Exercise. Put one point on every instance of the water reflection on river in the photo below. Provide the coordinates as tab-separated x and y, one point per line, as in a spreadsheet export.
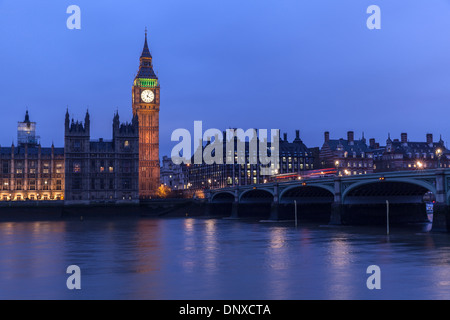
219	259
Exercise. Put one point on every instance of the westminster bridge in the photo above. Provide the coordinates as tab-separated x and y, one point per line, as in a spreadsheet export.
342	200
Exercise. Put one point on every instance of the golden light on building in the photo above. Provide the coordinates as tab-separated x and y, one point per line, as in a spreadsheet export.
145	102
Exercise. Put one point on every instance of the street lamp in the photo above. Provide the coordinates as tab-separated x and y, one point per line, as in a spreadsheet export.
419	165
336	163
439	154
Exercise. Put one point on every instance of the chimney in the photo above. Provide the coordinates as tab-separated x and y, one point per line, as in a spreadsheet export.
372	143
430	139
404	138
327	136
350	137
297	134
285	136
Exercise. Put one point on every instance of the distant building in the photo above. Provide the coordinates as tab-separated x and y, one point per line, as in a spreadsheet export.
28	171
172	175
408	155
348	156
26	132
101	171
294	157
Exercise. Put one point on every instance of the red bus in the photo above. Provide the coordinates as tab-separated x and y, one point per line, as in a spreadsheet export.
309	174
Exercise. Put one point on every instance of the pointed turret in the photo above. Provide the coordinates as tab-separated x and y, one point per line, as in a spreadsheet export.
146	51
67	121
389	143
146	68
87	122
116	121
27	117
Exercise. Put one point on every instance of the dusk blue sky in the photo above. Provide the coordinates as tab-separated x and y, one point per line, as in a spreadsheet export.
288	64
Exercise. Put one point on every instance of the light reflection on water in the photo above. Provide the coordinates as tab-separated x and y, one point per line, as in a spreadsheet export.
219	259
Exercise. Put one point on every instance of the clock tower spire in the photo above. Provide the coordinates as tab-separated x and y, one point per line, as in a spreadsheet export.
145	102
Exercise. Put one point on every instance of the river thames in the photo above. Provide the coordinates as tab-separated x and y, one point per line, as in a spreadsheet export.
204	259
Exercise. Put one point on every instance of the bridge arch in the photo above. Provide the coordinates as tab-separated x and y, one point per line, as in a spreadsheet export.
256	195
407	190
307	193
222	197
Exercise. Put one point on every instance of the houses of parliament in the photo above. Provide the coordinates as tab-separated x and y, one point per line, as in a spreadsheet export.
124	169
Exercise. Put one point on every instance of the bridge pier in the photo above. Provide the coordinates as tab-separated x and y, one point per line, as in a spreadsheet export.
207	211
337	208
441	214
274	211
274	206
235	210
440	209
337	211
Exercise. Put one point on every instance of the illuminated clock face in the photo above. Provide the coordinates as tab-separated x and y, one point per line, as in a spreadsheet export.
147	96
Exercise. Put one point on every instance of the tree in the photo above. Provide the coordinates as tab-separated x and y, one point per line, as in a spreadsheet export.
163	191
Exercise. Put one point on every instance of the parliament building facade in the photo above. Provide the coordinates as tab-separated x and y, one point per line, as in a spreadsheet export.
123	169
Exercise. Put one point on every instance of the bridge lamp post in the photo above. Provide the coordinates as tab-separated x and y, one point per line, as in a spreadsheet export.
419	165
439	154
336	163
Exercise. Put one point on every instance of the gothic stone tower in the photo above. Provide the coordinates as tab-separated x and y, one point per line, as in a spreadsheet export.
146	107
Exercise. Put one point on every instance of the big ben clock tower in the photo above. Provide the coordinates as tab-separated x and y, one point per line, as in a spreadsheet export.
146	108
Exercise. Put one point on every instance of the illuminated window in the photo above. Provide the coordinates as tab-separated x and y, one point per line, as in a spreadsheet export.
126	144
